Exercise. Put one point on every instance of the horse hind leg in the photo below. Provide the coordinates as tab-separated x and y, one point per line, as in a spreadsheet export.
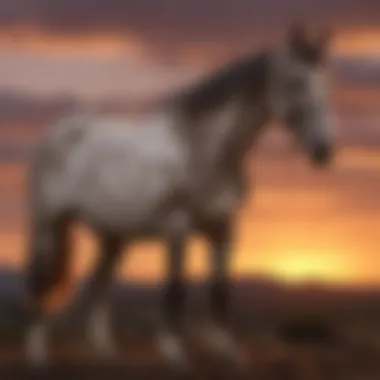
97	297
170	342
47	282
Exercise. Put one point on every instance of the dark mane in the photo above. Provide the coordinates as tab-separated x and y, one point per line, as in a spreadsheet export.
245	77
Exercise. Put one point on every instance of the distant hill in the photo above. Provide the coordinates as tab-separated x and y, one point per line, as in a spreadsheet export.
256	304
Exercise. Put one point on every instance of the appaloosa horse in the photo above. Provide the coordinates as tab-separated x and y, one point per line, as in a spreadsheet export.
168	174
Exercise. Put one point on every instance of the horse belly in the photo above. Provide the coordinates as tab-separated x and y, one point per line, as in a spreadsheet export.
134	211
115	178
130	200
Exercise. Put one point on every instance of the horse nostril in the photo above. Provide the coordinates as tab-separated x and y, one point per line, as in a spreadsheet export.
321	154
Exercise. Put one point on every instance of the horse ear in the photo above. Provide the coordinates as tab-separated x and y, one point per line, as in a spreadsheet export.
308	47
324	39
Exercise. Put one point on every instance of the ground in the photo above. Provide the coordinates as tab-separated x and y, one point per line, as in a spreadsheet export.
310	333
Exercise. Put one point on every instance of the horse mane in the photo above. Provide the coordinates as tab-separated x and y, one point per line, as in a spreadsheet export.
246	77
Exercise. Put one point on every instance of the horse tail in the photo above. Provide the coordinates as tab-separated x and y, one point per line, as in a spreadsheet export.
49	281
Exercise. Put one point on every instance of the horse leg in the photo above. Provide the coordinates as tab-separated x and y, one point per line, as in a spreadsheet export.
216	337
47	273
170	343
97	296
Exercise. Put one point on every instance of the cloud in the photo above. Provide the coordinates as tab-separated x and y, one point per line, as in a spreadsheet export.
85	76
170	23
31	39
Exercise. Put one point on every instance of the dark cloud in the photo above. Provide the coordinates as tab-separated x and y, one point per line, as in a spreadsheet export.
183	21
358	72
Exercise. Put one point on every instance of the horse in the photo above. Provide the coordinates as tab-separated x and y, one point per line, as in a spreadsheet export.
169	173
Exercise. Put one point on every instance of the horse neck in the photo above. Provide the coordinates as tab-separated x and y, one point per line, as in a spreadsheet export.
224	137
222	117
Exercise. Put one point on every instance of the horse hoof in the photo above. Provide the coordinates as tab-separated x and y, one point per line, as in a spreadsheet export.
35	347
221	344
37	359
106	352
173	353
236	360
104	349
102	342
232	359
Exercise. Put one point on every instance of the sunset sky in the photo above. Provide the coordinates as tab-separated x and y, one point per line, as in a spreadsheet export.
299	223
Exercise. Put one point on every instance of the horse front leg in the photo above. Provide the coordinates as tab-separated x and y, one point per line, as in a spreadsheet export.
169	340
216	335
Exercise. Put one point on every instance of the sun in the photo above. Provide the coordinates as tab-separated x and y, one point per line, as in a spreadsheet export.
301	267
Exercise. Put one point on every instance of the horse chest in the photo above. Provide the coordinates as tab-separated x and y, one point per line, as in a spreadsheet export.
223	201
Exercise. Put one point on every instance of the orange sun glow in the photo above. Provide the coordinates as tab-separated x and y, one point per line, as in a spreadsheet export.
300	266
